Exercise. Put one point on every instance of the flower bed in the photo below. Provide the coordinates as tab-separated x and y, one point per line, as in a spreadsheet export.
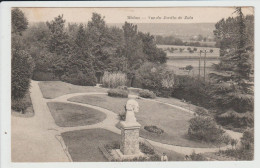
154	129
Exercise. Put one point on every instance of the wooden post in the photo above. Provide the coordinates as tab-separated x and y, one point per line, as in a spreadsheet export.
199	64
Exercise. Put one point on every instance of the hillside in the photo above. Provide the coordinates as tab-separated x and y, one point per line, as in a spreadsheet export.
177	29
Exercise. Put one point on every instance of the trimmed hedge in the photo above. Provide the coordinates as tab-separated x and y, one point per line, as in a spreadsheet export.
118	93
44	76
80	79
146	94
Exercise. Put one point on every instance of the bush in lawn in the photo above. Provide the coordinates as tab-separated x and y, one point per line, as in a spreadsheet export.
22	68
146	94
117	93
113	80
204	129
200	111
154	129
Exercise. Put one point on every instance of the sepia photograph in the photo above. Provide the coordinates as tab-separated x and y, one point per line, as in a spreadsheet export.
132	84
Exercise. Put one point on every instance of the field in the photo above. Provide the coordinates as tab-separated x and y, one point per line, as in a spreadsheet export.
183	51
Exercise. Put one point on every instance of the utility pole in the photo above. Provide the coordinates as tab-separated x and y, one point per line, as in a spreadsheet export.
205	65
199	64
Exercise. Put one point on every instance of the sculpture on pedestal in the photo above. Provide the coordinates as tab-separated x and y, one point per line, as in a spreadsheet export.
131	108
129	146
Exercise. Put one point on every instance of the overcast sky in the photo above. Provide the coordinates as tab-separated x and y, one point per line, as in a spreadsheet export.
136	15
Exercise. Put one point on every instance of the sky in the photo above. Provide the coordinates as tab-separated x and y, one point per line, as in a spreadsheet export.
136	15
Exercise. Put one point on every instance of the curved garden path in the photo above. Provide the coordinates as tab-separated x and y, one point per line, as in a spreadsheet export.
38	138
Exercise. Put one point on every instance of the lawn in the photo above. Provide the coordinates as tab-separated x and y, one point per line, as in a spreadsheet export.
53	89
173	121
177	102
83	145
70	115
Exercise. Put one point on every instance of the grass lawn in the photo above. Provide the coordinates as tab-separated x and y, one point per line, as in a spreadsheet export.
53	89
29	112
172	156
177	102
70	115
83	144
173	121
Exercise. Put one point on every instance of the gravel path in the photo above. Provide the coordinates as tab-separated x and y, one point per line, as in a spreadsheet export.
34	139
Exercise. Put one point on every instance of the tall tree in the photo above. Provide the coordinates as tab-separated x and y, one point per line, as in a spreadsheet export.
19	21
59	41
232	91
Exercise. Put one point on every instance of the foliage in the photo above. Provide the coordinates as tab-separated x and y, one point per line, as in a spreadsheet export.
19	21
122	116
246	150
113	80
232	92
59	40
20	105
194	90
154	129
146	94
197	157
247	140
146	149
117	93
204	129
113	145
22	68
44	76
155	77
238	153
79	78
200	111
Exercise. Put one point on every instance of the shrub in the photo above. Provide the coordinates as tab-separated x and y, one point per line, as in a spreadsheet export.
113	80
146	94
20	105
22	68
146	149
197	157
247	139
204	129
113	145
80	79
122	116
44	76
117	93
200	111
154	129
156	78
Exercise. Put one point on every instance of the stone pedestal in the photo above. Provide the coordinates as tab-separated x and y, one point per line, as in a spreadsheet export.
130	138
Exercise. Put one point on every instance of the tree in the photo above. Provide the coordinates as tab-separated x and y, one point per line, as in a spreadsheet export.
153	54
19	21
22	68
233	83
189	68
59	39
22	63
